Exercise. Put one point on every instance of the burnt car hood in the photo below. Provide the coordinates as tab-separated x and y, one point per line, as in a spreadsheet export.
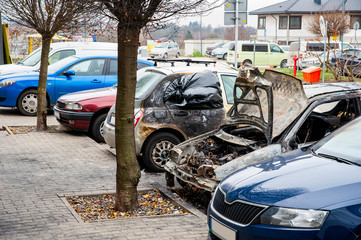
88	94
270	101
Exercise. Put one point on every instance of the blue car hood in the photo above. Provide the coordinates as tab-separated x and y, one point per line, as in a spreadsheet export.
296	180
21	76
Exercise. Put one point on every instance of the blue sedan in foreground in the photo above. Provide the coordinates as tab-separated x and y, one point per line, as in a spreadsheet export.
72	74
310	193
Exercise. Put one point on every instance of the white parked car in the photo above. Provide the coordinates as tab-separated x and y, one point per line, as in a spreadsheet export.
165	50
58	51
221	52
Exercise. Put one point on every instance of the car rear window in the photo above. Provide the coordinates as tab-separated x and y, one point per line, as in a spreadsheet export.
146	83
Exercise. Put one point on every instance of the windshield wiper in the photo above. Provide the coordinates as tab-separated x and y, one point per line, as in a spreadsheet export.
338	159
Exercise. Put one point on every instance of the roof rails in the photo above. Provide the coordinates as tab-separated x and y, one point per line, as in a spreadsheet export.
186	60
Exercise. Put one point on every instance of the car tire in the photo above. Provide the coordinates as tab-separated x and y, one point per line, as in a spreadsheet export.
156	150
225	56
283	63
165	55
177	55
27	102
97	128
247	61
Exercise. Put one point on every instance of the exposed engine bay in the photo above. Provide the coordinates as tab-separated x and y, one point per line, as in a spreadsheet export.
202	157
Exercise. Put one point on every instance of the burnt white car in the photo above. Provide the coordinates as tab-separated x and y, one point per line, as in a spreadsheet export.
272	113
173	104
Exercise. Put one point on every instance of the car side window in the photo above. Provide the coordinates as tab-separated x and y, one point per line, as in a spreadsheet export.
275	48
327	117
228	84
113	67
88	67
61	55
262	48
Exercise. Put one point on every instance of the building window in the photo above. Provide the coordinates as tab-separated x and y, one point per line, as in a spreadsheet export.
295	22
283	22
355	18
261	22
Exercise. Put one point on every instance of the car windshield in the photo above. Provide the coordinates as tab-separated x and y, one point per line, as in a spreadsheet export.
60	64
342	144
227	45
32	59
161	45
146	82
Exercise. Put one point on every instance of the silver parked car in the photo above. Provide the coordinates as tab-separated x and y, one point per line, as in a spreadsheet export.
221	52
165	50
173	104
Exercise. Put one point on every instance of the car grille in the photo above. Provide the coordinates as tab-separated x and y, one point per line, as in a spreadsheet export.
60	104
239	212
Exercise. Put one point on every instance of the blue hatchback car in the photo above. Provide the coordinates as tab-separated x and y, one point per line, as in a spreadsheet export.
74	73
310	193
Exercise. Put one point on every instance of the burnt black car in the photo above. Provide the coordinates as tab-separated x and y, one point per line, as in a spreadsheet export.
272	113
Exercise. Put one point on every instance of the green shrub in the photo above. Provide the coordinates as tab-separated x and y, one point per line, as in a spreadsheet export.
197	54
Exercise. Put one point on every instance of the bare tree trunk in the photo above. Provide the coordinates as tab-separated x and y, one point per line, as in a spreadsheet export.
128	172
43	76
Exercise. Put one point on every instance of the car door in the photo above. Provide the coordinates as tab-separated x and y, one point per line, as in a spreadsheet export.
83	75
276	55
262	55
111	76
195	103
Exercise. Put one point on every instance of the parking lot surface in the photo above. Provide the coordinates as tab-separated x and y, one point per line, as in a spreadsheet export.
37	169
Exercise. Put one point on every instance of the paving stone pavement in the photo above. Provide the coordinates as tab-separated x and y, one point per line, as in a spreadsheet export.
36	169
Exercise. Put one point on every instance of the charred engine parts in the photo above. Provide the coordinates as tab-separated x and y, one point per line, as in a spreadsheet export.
209	154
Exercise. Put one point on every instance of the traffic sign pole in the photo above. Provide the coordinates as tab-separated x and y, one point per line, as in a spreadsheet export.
236	38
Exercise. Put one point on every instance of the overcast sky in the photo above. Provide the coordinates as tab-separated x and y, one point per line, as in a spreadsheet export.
216	18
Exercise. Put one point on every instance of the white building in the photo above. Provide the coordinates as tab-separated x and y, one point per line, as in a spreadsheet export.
287	21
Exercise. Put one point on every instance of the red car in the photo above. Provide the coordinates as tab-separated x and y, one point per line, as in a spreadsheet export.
86	110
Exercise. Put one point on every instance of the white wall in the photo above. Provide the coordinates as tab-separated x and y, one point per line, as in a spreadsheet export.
191	46
294	34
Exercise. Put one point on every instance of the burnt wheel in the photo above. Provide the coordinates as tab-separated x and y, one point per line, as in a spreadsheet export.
156	151
97	128
27	102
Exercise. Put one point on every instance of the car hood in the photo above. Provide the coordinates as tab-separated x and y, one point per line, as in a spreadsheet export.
270	101
295	180
88	94
219	50
15	68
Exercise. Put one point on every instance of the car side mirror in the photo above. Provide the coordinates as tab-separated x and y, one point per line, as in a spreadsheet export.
169	47
69	73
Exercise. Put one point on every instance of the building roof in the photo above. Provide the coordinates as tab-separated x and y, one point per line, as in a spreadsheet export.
308	6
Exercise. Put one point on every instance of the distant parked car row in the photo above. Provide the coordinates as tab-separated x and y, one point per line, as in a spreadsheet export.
248	52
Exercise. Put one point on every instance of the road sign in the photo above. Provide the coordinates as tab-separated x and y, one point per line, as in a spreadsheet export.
230	6
322	26
230	12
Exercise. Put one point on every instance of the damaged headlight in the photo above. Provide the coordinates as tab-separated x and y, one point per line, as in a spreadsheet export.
7	83
295	218
73	106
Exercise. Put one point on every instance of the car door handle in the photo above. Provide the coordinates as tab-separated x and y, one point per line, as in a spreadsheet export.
181	113
96	81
